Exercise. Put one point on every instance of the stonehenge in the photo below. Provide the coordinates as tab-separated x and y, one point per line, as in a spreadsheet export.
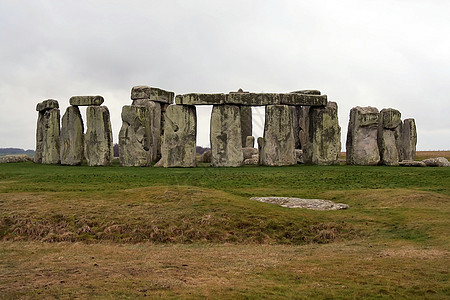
160	128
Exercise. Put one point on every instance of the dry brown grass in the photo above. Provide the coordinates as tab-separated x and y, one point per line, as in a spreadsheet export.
421	155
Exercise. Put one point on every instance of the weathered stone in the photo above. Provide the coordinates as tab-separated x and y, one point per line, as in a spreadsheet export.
249	152
253	99
308	92
47	104
15	158
277	146
135	141
180	133
206	157
152	93
48	137
299	156
86	100
251	161
72	137
249	142
303	99
159	164
98	141
200	99
155	115
314	204
246	123
225	136
303	126
324	143
362	145
436	162
412	163
389	136
409	139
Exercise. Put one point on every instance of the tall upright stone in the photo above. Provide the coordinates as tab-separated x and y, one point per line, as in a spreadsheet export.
72	137
409	139
246	123
303	126
135	140
324	143
98	141
225	136
48	133
277	147
362	144
180	134
154	125
389	136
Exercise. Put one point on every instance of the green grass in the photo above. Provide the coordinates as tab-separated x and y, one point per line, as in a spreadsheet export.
194	233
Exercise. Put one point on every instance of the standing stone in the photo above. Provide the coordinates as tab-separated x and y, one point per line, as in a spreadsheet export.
225	136
135	138
409	139
303	126
180	133
362	145
389	136
278	145
98	142
324	143
72	137
154	111
246	123
47	133
250	142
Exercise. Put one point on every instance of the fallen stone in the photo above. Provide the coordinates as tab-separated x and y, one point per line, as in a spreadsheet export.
98	141
362	144
389	136
249	142
159	164
409	139
324	145
412	163
206	157
86	100
225	136
314	204
253	99
251	161
277	146
303	99
152	93
436	162
299	156
15	158
200	99
47	104
246	123
180	133
135	141
72	137
249	152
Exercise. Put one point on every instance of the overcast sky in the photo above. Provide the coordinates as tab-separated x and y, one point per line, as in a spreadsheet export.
384	53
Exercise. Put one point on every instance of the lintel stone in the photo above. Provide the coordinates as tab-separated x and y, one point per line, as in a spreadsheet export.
253	99
303	99
86	100
200	99
152	93
47	104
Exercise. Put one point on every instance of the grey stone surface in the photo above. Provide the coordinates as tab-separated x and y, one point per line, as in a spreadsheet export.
48	137
362	144
72	137
299	156
249	152
98	141
324	143
155	116
308	92
225	136
246	123
314	204
180	133
409	139
152	93
135	141
15	158
389	136
47	104
249	142
200	99
277	146
436	162
303	126
251	161
206	157
253	99
303	99
86	100
412	163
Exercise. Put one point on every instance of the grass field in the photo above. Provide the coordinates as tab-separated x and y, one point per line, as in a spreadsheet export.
114	232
